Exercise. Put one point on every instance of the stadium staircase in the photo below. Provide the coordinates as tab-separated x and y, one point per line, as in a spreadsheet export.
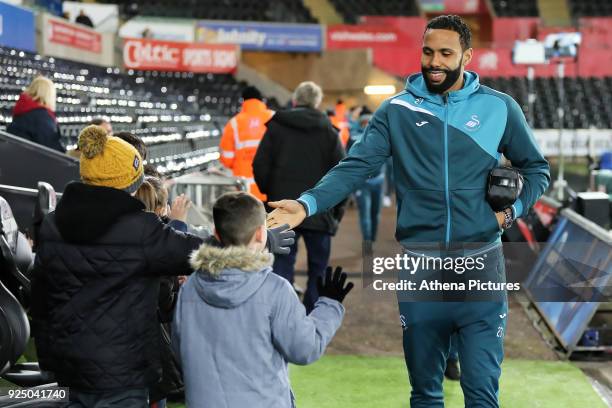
555	13
324	11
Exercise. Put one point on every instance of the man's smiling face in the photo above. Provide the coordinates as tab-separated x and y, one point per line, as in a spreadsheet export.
443	60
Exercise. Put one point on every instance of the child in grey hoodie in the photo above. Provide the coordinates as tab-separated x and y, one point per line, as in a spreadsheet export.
237	325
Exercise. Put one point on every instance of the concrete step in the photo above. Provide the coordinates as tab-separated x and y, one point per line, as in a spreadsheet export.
324	11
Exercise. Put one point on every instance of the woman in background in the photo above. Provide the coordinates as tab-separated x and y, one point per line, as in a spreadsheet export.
34	115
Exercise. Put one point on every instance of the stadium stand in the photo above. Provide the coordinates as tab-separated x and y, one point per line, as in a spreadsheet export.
352	9
587	100
509	8
178	115
287	11
590	8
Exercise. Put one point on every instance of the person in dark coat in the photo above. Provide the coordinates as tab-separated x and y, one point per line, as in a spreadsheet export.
96	280
84	19
298	148
34	115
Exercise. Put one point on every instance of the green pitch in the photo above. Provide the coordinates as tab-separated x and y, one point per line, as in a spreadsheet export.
355	382
365	382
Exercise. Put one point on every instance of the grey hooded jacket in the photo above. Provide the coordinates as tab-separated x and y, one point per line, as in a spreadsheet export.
237	325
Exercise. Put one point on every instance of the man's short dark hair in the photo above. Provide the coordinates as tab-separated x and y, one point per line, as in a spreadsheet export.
237	216
453	23
134	141
250	92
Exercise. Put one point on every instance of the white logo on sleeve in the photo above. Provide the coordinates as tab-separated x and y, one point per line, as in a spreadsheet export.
500	331
419	124
501	316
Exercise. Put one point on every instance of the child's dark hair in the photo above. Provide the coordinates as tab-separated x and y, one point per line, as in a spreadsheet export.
453	23
237	215
134	141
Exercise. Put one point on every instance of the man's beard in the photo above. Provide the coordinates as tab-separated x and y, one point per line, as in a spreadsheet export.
450	78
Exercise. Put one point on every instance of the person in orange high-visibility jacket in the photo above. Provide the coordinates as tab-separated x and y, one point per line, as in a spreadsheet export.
241	137
340	121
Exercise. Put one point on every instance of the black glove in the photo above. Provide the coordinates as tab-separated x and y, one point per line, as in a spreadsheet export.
504	186
279	239
334	285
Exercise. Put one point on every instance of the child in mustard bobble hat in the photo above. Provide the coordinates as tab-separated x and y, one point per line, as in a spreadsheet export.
109	161
96	280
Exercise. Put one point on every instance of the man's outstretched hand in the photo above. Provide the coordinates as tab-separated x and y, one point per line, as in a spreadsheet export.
288	212
333	287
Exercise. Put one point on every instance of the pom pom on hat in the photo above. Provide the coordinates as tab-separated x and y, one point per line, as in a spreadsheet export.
92	141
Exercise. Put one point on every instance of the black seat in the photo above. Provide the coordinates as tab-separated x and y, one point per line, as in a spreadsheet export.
14	251
14	324
15	330
45	203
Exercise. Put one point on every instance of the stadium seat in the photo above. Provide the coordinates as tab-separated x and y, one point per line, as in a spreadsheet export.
509	8
590	8
12	316
45	203
14	329
15	254
292	11
587	100
351	10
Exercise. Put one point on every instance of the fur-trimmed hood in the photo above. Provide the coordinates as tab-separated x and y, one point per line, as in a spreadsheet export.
227	276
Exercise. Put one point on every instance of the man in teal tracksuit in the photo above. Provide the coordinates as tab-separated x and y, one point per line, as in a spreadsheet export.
444	133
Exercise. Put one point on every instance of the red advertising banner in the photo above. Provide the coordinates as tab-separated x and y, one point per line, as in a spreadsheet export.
363	36
498	62
506	30
73	36
144	54
402	57
596	32
397	54
398	62
487	62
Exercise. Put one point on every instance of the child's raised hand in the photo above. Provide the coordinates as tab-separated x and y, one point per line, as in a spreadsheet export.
334	285
180	207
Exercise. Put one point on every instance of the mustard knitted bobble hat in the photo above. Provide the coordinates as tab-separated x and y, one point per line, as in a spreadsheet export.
109	161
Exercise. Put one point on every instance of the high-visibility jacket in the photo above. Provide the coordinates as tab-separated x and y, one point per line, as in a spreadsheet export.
241	137
340	121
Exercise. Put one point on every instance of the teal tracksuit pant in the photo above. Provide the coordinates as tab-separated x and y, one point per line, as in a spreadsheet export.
479	328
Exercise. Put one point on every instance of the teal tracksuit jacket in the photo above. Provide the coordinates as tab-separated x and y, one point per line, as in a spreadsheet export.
443	148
